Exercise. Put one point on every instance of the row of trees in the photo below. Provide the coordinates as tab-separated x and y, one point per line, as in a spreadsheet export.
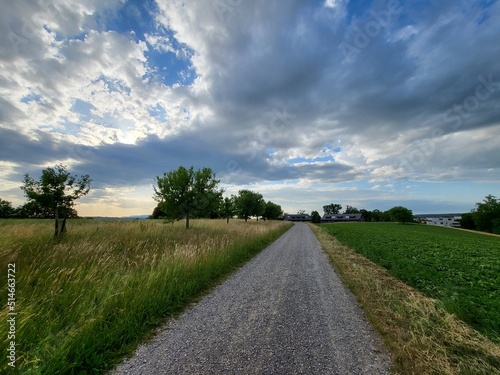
183	193
399	214
485	217
32	210
186	193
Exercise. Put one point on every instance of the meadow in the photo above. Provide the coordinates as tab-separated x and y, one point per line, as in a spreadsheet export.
460	269
412	282
84	302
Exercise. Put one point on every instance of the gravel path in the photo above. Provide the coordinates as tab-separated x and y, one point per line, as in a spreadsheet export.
284	312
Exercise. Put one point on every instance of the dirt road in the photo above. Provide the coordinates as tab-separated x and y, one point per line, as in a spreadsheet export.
284	312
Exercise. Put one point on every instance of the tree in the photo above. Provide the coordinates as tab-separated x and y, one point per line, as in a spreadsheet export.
33	210
55	193
6	209
315	217
157	213
249	203
186	192
272	211
351	210
386	216
332	209
376	215
401	214
467	221
367	215
487	215
228	207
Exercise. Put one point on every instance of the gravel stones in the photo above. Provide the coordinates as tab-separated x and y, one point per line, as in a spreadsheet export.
284	312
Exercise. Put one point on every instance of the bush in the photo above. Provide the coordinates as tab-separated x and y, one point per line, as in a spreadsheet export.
315	217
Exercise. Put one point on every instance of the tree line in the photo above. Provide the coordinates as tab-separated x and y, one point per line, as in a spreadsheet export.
484	217
188	193
398	213
182	193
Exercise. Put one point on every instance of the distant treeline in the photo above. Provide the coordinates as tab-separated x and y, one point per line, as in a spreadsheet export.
32	210
485	217
397	214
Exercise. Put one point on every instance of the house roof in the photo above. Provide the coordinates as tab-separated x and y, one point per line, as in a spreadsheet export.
342	216
297	217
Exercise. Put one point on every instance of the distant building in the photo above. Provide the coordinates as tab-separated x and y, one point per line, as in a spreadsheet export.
442	220
297	217
338	218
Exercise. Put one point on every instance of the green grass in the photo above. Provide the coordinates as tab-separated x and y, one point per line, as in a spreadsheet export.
459	269
422	336
88	300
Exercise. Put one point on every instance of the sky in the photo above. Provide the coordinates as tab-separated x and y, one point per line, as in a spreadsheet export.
365	103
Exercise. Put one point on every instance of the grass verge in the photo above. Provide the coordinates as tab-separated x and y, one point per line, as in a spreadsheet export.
85	302
422	337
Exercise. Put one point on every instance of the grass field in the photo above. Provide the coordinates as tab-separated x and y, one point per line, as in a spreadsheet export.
460	269
85	302
422	336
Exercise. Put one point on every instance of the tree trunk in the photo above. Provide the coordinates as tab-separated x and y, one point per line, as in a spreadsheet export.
56	224
63	226
227	219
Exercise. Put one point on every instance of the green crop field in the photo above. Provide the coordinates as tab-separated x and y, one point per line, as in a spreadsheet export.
84	302
459	269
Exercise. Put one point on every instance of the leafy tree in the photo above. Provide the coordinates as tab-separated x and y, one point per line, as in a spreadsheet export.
33	210
487	214
228	207
376	215
186	192
249	203
261	207
272	211
315	217
467	221
6	209
157	212
55	193
301	212
332	209
367	215
351	210
496	226
386	216
401	214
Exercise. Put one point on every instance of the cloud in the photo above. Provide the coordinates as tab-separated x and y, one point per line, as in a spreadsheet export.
249	88
367	105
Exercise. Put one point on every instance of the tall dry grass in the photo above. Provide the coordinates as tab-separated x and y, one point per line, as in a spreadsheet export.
87	300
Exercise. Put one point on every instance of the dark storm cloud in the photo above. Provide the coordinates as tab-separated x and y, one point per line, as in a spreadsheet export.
425	72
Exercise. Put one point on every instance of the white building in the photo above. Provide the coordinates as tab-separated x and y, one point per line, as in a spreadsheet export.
443	220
